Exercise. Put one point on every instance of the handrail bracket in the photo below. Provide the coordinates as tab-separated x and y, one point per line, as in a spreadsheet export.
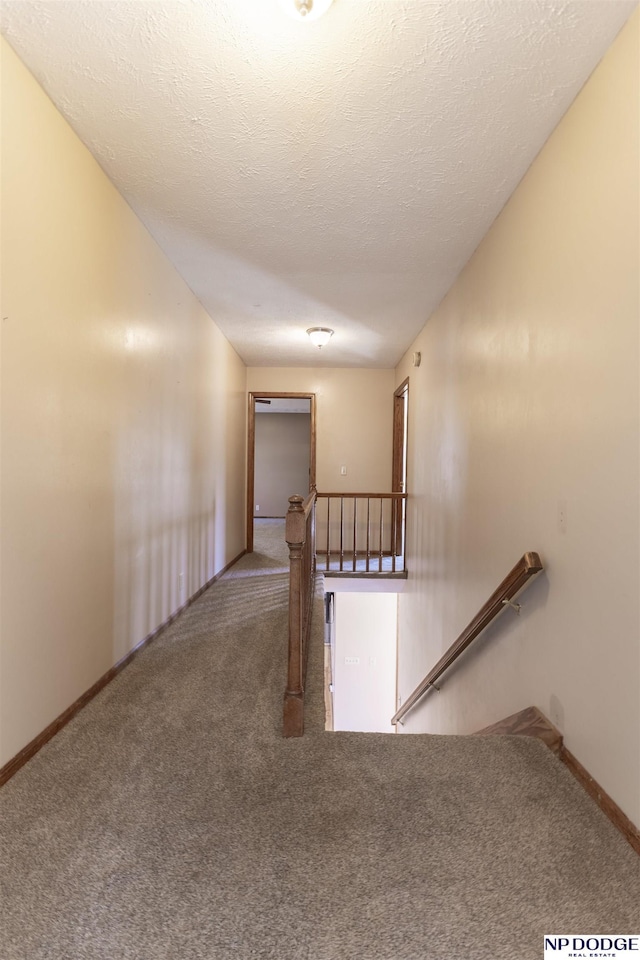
514	606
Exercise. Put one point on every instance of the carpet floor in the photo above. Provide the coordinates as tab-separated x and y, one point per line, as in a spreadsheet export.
170	821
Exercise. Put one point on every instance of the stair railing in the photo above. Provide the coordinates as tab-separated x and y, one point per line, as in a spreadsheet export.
300	536
361	532
516	580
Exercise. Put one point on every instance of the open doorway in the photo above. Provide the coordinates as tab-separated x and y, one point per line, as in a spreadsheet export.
281	453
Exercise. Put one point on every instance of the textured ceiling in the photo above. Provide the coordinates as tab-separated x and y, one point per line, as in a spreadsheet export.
336	173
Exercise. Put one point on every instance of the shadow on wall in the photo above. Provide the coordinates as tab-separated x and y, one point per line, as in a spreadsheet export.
156	574
502	640
163	550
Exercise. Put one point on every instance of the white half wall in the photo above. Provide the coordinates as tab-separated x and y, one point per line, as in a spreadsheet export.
364	660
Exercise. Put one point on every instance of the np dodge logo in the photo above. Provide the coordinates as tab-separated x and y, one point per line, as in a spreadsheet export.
593	945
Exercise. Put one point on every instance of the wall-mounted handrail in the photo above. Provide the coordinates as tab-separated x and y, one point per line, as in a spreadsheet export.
300	536
525	569
362	531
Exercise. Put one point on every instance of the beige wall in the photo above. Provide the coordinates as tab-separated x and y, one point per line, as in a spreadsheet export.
526	407
123	423
281	460
354	417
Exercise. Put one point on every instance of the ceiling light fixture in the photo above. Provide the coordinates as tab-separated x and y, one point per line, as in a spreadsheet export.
305	9
319	336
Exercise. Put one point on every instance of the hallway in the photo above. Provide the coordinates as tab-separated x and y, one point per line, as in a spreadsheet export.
170	820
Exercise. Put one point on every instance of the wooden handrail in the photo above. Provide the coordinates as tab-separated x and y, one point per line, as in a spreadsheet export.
525	569
300	536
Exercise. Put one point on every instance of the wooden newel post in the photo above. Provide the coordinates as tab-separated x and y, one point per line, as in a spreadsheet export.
295	534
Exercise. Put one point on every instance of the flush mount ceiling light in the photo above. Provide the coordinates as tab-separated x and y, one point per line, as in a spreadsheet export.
305	9
319	336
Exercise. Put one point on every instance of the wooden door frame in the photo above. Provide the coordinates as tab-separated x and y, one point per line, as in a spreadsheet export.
251	446
399	430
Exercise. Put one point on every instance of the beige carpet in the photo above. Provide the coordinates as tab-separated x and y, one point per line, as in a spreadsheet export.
170	821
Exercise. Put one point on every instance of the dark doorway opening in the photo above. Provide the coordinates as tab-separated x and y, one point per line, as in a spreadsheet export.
275	403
